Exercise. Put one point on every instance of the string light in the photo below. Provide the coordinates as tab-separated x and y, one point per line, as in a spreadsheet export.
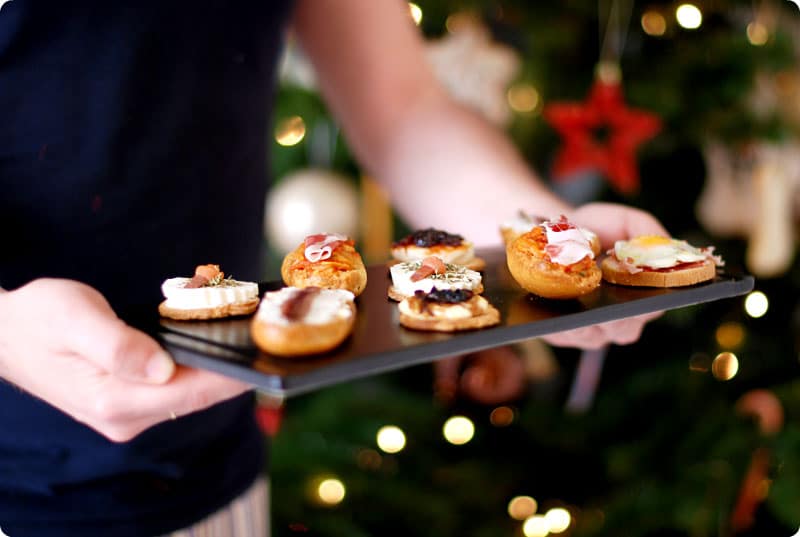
558	519
689	16
290	131
331	491
501	416
756	304
536	526
729	335
757	34
653	23
522	507
416	12
700	362
725	366
391	439
458	430
523	98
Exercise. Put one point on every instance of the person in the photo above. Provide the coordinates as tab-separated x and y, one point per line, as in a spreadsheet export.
132	147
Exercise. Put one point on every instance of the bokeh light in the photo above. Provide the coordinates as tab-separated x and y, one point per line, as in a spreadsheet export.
757	34
700	362
458	430
558	519
522	507
502	416
331	491
290	131
689	16
654	23
416	12
536	526
523	98
725	366
391	439
756	304
729	335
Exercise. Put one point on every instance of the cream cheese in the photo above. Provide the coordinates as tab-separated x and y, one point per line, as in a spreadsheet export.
456	277
327	306
230	292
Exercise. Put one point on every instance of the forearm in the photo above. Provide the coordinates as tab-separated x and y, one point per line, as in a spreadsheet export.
442	165
446	167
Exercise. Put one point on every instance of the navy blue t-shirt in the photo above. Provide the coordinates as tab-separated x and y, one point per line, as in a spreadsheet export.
133	140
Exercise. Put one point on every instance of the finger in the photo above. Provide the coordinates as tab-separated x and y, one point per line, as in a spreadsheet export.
125	409
119	349
587	337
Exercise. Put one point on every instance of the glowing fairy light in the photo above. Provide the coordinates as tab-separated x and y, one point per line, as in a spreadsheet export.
536	526
458	430
522	507
290	131
523	98
501	416
725	366
757	34
331	491
756	304
391	439
558	519
729	335
416	12
654	23
689	16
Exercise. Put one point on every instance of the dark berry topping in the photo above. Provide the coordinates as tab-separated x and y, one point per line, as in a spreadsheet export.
426	238
446	296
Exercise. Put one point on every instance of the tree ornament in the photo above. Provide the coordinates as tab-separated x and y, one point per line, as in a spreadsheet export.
581	126
753	191
474	69
308	201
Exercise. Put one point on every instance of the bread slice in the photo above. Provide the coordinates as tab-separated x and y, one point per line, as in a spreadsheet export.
614	272
343	270
216	312
435	317
301	339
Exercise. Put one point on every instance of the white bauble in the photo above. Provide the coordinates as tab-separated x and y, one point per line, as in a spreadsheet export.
310	201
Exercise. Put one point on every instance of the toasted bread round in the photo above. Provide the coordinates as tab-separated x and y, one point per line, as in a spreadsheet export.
343	270
301	339
613	272
532	269
510	234
217	312
486	316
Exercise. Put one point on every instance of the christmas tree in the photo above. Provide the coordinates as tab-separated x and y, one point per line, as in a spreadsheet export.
690	431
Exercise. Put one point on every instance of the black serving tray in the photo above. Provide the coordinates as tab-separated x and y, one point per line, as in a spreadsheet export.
379	344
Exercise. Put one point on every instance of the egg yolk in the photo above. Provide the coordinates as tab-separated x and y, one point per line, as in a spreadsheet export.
648	241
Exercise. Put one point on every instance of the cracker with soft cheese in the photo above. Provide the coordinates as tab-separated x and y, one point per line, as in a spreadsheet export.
410	277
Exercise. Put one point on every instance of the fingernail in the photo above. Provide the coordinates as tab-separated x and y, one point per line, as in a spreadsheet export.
160	367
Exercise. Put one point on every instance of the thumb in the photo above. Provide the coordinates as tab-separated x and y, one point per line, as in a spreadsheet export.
121	350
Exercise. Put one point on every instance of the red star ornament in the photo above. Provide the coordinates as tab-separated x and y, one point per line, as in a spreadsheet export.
604	110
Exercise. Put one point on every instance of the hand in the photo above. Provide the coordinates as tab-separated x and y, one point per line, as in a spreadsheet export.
490	377
611	222
62	342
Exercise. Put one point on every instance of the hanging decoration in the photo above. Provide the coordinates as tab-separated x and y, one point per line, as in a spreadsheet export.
603	133
475	69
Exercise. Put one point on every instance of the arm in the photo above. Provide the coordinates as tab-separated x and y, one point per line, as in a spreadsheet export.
441	163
